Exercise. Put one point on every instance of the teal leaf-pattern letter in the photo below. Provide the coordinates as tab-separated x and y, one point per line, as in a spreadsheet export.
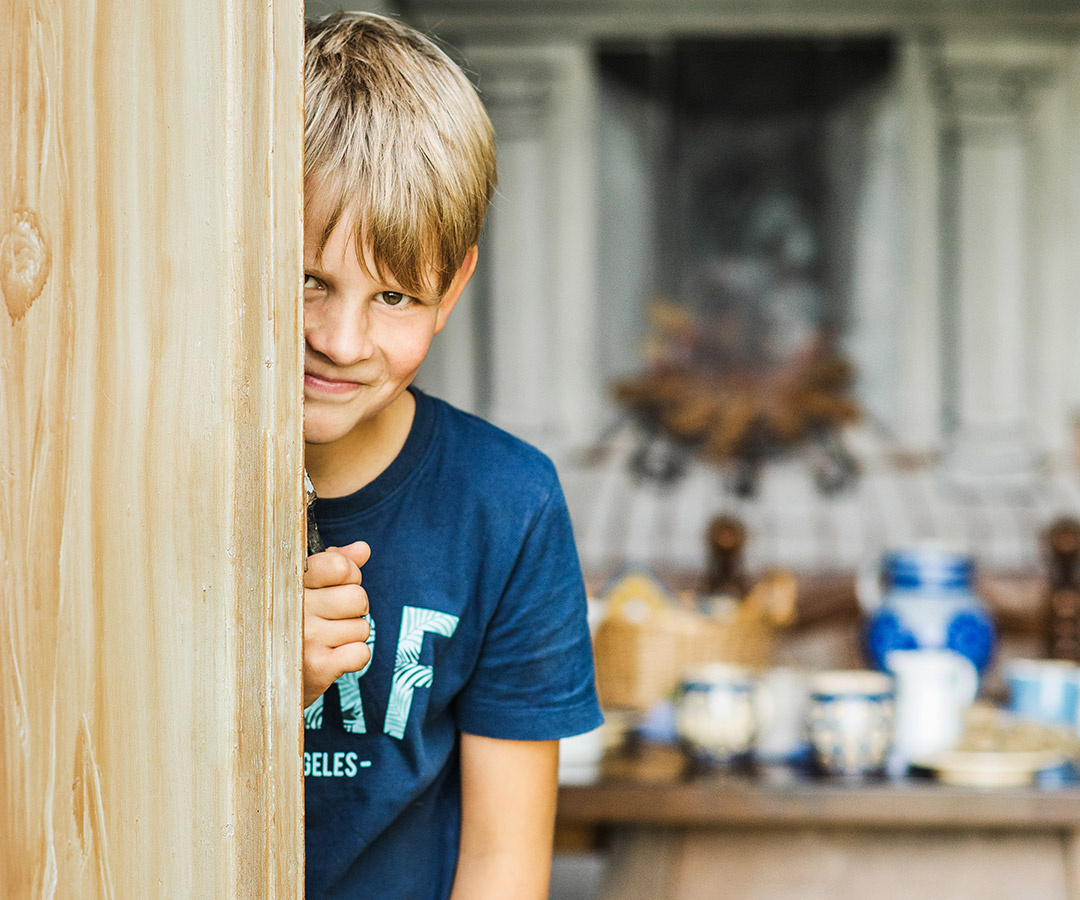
409	672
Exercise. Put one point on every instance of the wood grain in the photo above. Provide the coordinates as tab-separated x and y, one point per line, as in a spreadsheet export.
150	449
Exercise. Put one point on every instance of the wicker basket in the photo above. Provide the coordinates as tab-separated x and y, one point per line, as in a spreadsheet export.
646	641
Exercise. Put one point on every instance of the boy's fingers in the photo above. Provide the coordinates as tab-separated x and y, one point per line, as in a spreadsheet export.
350	657
333	566
358	551
341	601
335	630
330	634
323	670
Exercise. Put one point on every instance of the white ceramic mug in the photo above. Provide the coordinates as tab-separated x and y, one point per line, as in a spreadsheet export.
784	692
934	689
580	756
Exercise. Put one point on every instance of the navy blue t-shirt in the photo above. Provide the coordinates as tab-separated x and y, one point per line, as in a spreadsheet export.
479	626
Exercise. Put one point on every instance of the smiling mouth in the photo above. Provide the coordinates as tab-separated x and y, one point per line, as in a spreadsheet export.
329	385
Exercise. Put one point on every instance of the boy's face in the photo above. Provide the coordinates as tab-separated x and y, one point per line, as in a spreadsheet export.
364	337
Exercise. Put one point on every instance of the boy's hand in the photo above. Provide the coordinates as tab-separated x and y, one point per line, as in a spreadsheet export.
334	625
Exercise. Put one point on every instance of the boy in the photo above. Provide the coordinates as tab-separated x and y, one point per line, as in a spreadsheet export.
431	749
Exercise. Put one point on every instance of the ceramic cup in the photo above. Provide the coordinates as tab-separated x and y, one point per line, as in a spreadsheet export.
1045	690
850	722
580	757
934	689
717	712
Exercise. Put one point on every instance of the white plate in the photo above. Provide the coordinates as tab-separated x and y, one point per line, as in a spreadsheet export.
986	768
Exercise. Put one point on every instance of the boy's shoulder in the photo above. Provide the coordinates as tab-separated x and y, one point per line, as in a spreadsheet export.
486	453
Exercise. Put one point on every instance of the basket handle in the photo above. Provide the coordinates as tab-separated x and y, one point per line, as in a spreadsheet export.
637	606
773	595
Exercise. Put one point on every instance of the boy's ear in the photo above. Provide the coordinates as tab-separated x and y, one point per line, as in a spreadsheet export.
446	305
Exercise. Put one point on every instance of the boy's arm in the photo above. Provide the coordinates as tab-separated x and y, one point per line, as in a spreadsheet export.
508	792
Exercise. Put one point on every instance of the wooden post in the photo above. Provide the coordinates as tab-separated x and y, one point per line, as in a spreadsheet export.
150	449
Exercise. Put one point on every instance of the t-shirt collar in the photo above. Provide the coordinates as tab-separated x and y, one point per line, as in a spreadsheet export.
404	466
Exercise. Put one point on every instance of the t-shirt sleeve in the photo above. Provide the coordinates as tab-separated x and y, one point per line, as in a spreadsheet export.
534	678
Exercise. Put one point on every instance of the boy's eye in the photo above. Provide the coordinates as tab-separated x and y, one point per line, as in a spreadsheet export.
311	283
395	298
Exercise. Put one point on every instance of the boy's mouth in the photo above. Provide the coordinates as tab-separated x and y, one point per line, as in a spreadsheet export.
328	385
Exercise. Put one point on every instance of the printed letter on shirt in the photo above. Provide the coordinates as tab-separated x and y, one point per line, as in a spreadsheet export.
409	672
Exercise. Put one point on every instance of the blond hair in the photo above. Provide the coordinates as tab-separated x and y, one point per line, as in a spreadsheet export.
396	139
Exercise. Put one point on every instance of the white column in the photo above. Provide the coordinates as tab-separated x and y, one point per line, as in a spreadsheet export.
919	369
542	301
578	297
518	97
987	92
1056	259
888	224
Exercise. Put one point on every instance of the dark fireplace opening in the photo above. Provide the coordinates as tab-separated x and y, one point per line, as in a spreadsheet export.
744	134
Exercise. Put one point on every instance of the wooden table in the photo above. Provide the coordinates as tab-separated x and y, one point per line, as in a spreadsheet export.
779	834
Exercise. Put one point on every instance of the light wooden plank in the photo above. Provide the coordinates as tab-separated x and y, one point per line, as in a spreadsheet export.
150	449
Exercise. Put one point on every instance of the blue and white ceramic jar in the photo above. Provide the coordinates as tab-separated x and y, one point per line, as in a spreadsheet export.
850	722
927	600
716	713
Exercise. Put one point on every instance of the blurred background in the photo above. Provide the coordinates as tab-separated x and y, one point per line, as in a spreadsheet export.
811	267
814	263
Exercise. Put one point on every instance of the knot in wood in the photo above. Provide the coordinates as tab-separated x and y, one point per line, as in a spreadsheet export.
24	262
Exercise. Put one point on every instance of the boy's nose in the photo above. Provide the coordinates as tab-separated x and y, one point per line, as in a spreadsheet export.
341	334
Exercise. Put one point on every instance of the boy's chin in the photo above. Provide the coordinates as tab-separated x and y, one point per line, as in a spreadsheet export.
323	433
320	440
330	423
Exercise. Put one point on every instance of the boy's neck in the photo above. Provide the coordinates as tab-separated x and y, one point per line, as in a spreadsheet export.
355	460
